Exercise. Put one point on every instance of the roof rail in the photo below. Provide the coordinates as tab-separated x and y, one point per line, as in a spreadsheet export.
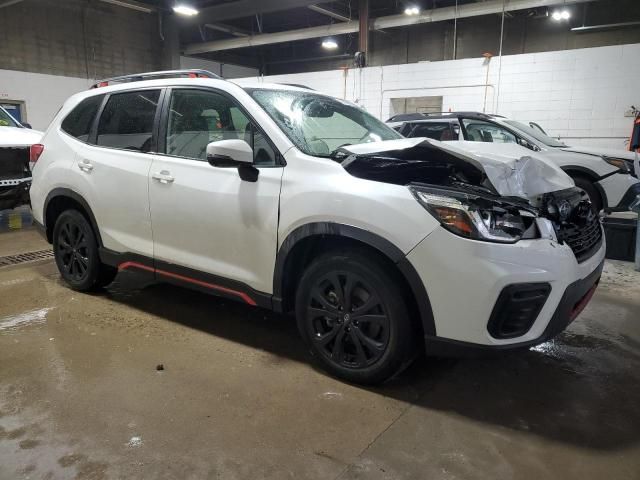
138	77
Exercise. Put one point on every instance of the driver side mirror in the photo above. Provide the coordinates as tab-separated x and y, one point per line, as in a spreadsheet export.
233	154
26	125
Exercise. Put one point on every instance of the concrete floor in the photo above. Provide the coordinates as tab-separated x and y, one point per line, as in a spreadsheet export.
80	395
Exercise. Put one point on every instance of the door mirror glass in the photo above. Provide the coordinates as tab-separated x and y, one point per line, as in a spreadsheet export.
229	153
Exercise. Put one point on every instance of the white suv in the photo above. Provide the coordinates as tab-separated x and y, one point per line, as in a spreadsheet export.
608	176
284	198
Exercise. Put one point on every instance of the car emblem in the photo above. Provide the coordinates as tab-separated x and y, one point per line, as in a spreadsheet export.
564	209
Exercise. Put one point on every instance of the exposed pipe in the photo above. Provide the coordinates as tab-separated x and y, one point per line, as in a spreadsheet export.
8	3
437	15
455	33
328	13
140	7
608	26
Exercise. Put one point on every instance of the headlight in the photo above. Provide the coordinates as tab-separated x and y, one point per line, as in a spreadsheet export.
476	217
620	163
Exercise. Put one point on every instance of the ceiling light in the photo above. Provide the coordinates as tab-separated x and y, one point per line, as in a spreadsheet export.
413	10
329	44
185	10
558	15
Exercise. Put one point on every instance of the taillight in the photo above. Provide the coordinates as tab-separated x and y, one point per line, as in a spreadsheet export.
35	151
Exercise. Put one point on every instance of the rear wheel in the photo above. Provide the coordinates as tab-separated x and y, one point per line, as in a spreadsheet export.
76	253
591	190
353	316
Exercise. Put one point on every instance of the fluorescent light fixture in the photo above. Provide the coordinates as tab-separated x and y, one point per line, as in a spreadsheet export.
558	15
185	10
329	44
413	10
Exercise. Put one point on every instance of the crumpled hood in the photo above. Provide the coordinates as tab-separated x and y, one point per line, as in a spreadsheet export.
18	137
510	169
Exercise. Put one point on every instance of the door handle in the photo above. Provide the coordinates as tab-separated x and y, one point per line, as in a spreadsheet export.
164	176
85	166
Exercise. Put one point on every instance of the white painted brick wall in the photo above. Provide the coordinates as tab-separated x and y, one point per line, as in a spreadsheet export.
579	95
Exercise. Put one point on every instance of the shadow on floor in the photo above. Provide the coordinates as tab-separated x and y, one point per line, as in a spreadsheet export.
581	389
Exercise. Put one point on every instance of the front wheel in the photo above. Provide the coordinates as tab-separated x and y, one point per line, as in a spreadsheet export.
591	191
353	316
76	253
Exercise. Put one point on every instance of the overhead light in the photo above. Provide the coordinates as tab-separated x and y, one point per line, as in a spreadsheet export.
185	10
558	15
329	44
412	10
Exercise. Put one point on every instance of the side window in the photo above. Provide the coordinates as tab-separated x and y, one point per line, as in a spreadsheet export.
436	130
127	120
479	131
198	117
78	122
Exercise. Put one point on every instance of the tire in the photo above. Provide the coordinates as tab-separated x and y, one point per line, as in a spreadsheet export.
76	253
591	190
368	347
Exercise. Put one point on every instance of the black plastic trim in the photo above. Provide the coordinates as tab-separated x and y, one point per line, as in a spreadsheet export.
628	197
65	192
517	296
384	246
186	277
446	347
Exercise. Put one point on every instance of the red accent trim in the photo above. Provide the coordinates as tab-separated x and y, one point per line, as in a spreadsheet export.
247	299
578	307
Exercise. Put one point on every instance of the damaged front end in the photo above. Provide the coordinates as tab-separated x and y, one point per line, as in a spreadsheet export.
503	199
15	177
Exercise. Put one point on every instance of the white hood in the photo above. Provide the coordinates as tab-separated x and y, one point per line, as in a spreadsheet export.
513	170
607	152
18	137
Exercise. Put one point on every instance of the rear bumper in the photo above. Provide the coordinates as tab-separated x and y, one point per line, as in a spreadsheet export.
574	299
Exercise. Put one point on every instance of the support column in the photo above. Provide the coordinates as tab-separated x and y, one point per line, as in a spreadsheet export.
170	32
363	17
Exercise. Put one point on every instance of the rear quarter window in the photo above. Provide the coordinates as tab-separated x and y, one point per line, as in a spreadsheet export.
78	122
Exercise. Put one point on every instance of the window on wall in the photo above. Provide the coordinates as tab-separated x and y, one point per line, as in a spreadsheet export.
479	131
199	117
127	120
79	121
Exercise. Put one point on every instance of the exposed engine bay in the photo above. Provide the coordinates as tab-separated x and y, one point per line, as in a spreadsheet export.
490	199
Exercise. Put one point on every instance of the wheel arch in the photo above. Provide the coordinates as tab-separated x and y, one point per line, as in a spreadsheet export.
580	171
60	199
308	241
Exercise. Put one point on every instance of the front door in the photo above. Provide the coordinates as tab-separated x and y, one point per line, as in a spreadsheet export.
208	219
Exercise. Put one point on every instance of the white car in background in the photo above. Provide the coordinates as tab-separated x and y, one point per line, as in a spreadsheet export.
610	178
15	166
287	199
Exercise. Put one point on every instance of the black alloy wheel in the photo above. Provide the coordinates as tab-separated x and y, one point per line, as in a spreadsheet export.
73	251
76	253
348	321
352	313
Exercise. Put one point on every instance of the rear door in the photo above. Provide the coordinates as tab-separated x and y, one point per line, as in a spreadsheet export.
207	219
114	165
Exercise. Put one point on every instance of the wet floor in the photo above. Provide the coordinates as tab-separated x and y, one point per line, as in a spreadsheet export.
83	396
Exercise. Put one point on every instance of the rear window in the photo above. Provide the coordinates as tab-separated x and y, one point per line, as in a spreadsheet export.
127	120
78	122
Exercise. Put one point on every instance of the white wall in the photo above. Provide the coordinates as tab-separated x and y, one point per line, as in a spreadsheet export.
578	95
42	94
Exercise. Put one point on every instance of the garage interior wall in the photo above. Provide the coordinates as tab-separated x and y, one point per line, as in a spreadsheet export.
580	95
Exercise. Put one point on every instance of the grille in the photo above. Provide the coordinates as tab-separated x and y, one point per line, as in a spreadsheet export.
25	257
584	239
